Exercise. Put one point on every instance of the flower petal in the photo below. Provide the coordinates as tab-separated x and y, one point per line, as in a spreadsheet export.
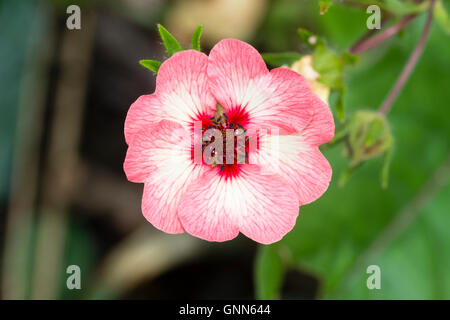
283	101
182	94
215	207
242	84
303	166
233	67
152	147
144	111
160	156
321	129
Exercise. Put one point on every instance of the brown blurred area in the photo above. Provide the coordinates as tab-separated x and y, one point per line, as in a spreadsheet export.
68	201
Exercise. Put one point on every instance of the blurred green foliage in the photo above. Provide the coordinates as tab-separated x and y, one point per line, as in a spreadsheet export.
21	32
413	266
269	272
13	49
332	233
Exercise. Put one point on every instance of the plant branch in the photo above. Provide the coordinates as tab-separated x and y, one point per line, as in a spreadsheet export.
409	67
365	44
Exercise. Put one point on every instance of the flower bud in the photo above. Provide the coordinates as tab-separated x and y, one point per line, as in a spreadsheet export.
369	136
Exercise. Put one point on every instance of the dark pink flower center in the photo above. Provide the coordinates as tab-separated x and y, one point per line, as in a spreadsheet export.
234	141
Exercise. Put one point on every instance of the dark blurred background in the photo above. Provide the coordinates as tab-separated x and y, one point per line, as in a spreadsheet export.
64	199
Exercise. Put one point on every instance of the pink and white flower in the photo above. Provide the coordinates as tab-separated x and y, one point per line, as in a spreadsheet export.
215	203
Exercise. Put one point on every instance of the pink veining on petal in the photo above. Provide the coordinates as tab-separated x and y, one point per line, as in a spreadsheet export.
160	157
144	111
182	94
321	128
240	80
263	207
234	66
302	165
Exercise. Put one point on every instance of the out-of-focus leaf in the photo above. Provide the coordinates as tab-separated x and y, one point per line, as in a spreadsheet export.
269	272
16	41
151	65
404	7
329	65
170	43
281	20
398	7
324	5
442	17
79	251
310	39
196	38
280	59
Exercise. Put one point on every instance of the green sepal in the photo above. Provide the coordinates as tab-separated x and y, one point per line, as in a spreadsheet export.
170	43
152	65
196	38
324	5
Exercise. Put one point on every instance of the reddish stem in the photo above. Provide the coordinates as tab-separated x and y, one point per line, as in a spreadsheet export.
364	45
409	67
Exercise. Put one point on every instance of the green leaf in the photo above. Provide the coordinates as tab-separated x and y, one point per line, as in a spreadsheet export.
324	6
280	59
269	273
152	65
442	17
329	65
171	44
196	38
